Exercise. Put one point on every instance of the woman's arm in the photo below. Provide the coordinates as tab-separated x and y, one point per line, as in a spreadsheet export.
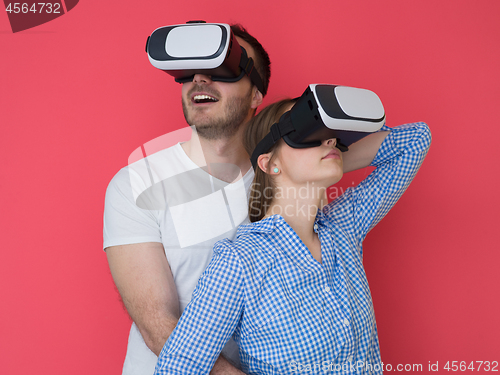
397	161
208	321
362	153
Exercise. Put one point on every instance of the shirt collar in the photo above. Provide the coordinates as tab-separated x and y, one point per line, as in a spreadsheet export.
269	224
266	225
321	218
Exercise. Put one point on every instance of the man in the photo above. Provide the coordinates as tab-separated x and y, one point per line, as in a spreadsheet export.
154	260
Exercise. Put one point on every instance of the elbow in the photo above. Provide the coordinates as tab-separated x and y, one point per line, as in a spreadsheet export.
154	342
154	339
425	138
427	135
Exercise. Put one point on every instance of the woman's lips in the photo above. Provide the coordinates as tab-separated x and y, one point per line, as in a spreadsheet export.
334	154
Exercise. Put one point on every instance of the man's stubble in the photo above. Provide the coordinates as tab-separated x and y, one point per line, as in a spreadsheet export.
227	124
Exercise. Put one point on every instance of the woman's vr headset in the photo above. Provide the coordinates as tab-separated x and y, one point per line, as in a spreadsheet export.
199	47
323	112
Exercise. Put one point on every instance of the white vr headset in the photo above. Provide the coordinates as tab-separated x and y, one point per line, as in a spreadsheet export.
323	112
199	47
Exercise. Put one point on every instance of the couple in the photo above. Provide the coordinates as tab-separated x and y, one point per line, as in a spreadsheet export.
289	287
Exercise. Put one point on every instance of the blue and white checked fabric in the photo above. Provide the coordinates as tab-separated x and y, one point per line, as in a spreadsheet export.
288	312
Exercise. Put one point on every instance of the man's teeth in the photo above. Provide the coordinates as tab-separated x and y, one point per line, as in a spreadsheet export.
199	98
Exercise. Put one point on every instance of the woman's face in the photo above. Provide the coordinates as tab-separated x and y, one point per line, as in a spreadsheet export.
299	166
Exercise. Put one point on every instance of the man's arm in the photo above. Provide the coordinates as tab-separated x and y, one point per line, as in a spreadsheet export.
144	280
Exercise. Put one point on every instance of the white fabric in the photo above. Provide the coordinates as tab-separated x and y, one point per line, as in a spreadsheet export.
186	210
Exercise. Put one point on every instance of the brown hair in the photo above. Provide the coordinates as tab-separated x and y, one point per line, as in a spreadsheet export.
263	187
263	63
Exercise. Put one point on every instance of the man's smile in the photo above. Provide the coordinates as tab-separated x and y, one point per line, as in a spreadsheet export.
203	98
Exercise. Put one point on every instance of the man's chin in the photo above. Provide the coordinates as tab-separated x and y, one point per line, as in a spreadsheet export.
197	115
209	132
200	122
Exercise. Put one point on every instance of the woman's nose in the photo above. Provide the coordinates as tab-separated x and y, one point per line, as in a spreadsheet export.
332	142
199	78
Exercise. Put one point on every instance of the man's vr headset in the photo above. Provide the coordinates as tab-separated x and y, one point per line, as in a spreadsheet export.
323	112
198	47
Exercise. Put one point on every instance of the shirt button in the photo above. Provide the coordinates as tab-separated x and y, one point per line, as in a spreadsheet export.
327	288
349	359
315	227
346	322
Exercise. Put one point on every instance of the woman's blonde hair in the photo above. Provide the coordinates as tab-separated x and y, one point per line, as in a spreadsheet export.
263	187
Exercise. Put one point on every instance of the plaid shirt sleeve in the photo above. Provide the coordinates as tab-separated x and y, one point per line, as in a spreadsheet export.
209	320
397	162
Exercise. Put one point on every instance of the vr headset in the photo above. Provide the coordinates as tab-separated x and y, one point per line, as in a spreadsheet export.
323	112
199	47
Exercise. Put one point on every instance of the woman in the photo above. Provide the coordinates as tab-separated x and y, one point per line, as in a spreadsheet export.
291	288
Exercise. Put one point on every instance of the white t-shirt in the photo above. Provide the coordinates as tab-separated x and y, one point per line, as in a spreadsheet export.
167	198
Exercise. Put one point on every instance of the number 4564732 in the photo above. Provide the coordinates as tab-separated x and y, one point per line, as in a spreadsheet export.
34	8
474	365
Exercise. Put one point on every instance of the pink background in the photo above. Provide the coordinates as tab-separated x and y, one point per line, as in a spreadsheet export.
78	95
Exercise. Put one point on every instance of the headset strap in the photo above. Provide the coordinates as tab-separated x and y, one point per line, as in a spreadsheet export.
278	130
247	65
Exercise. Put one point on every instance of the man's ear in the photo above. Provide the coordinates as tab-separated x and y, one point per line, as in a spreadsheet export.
257	97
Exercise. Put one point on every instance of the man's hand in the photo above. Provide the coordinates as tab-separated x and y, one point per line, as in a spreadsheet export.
223	367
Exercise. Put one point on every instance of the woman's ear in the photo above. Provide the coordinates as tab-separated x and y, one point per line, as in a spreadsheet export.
257	98
265	164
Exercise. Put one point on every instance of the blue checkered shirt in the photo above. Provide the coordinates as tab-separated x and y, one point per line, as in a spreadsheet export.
289	313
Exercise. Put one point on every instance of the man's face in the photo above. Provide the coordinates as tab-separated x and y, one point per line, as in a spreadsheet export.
218	109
